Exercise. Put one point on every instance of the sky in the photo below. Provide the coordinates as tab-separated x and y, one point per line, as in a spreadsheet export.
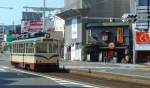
7	16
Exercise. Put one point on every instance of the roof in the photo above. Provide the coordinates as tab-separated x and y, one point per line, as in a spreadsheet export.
73	12
108	24
38	39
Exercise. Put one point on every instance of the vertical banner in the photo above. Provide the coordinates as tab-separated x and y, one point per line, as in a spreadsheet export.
120	35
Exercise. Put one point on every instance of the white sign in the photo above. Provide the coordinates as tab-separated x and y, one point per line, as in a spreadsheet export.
142	47
74	29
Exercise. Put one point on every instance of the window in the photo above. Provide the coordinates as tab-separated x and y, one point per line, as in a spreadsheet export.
21	48
41	48
29	48
144	2
105	36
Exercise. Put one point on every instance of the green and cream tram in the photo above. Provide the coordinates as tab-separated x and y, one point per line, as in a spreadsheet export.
35	54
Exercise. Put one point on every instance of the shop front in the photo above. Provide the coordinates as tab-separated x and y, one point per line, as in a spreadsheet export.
114	42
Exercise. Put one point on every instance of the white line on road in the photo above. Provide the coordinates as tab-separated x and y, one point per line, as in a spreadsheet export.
64	82
3	70
5	67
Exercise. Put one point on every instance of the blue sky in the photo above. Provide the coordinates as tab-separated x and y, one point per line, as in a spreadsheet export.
8	16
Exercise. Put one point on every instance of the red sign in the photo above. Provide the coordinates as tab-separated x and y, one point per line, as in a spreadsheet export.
33	25
36	23
142	37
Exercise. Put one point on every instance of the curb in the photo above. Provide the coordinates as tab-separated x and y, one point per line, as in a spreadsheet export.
109	76
145	68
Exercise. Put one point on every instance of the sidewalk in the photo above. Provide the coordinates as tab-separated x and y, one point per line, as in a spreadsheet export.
134	70
99	64
123	72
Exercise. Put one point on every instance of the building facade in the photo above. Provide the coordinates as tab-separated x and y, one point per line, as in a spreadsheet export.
141	28
99	8
59	24
77	13
112	41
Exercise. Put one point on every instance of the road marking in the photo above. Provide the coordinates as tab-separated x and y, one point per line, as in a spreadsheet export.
3	70
64	82
5	67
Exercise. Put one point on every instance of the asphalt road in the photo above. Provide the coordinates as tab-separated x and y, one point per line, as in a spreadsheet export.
15	78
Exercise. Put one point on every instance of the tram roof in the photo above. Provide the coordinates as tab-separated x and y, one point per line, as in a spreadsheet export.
33	39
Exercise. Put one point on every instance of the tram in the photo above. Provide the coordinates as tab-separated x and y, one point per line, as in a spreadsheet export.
36	54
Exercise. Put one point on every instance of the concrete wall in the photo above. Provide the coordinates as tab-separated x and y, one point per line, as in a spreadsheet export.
59	24
100	8
73	4
68	32
74	43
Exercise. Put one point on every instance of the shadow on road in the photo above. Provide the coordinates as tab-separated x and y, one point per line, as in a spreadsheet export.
34	86
4	75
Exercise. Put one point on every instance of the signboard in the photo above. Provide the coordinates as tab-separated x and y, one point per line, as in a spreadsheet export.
32	25
74	28
142	38
35	26
32	15
142	47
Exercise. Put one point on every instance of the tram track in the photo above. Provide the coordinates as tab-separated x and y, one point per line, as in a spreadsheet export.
108	83
98	82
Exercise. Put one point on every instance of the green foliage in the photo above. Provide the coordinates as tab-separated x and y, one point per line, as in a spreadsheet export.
87	48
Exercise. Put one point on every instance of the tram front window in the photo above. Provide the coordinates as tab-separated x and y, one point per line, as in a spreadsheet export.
41	48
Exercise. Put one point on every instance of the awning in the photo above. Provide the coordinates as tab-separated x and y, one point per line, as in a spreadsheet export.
107	48
73	12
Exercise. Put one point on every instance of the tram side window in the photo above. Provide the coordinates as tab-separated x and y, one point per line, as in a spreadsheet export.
17	46
14	48
29	48
21	48
41	48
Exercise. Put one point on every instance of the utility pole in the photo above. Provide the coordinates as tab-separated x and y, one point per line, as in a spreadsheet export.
44	9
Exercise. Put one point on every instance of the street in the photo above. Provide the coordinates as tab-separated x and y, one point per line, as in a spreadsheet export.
18	78
119	69
15	78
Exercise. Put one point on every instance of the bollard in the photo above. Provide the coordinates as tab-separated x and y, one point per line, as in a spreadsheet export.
89	70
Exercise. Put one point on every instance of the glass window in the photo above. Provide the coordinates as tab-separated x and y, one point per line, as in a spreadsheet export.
41	48
29	48
144	2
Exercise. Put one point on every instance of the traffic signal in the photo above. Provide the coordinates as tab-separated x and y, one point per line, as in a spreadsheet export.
133	18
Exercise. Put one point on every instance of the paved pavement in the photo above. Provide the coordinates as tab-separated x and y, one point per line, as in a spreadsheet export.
121	69
15	78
